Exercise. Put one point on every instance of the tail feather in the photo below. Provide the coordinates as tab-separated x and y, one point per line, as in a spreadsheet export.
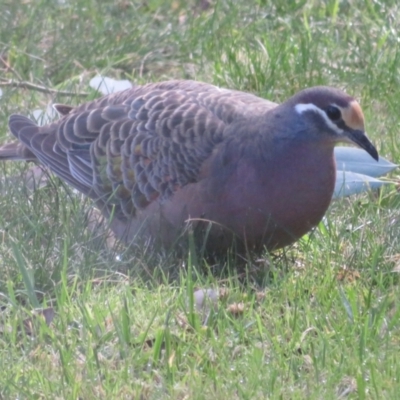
18	122
37	144
18	150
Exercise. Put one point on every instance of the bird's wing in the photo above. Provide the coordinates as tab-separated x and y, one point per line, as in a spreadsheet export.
130	148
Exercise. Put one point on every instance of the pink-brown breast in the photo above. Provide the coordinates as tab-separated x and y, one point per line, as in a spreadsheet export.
263	202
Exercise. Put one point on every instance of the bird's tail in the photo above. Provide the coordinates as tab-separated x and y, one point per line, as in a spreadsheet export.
12	151
18	150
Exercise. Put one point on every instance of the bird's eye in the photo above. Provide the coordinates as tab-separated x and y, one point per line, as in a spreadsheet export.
333	113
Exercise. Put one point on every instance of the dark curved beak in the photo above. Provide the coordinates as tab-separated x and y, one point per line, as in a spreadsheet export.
361	139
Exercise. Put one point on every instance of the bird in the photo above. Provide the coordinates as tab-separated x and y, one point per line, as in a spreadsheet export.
164	159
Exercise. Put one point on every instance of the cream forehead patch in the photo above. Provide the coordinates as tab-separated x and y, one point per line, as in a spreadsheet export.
353	116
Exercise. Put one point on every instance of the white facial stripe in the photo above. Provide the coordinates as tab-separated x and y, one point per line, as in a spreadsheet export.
301	108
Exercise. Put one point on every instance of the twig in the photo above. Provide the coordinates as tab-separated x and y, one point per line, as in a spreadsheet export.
39	88
10	68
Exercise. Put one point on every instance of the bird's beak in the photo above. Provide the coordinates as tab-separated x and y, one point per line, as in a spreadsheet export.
359	137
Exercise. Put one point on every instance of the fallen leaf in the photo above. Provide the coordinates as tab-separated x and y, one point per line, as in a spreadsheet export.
348	275
236	308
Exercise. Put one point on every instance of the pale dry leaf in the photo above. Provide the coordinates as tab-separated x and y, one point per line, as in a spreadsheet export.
223	293
260	296
396	268
347	386
236	308
205	298
347	275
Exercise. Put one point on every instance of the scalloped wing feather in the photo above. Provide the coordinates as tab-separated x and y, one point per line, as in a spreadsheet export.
130	148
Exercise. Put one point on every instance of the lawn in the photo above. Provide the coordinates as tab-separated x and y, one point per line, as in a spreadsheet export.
82	318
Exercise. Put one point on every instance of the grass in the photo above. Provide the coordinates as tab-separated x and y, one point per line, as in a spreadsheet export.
318	320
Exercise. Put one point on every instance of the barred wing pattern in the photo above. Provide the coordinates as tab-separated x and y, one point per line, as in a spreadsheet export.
130	148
